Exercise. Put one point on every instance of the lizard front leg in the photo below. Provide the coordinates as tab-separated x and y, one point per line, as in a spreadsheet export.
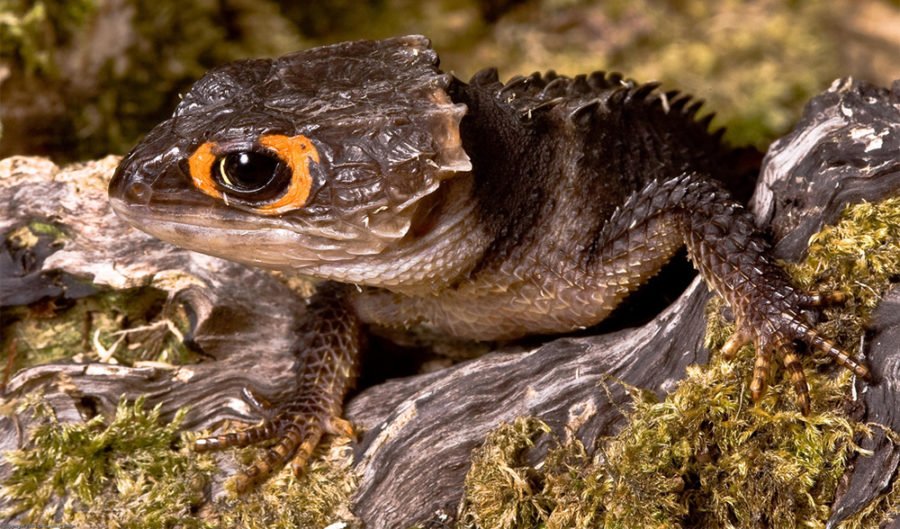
327	353
732	257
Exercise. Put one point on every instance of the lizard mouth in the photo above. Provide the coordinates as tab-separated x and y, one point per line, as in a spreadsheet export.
235	238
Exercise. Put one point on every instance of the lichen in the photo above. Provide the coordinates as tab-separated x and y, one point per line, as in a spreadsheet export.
707	456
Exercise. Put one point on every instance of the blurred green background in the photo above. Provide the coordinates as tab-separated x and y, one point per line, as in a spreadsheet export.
84	78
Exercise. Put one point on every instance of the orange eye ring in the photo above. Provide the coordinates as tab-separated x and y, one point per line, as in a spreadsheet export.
200	164
295	151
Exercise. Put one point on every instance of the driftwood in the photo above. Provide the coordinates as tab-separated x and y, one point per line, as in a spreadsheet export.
417	433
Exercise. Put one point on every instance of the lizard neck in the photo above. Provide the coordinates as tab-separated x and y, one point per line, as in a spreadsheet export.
446	240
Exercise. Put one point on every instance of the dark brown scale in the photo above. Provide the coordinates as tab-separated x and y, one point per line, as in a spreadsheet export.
475	210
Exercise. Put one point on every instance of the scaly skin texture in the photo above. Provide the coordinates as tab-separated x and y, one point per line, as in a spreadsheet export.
481	210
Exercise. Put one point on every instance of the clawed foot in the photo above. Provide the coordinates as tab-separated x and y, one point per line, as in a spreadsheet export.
297	427
774	322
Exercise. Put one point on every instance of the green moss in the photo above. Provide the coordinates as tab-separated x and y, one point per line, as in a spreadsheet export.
576	490
505	493
123	326
118	473
320	498
134	472
707	456
858	257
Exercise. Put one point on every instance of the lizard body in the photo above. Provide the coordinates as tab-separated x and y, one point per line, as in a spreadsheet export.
480	210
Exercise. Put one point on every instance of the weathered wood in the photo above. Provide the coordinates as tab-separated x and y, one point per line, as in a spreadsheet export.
417	433
845	149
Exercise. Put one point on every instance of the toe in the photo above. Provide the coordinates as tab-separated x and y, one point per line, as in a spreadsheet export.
737	340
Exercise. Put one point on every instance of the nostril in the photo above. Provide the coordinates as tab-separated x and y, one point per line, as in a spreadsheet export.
137	193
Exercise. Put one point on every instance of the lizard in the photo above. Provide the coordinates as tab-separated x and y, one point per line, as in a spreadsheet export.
478	210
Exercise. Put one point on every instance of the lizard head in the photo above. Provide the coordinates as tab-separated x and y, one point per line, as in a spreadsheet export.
324	155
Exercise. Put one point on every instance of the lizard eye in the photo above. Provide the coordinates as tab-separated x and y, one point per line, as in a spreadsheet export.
248	172
270	178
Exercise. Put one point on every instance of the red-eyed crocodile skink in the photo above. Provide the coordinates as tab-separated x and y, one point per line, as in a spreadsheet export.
481	210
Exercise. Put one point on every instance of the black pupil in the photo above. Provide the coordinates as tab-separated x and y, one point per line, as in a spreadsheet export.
248	171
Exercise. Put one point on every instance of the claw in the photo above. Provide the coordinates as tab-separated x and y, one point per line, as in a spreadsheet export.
304	452
776	334
304	434
256	401
339	426
297	439
264	431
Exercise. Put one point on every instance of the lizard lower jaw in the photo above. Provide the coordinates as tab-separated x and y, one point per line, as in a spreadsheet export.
271	244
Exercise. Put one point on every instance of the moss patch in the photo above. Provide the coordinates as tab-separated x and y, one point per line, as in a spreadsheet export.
118	473
135	472
859	256
506	490
707	456
73	319
320	498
